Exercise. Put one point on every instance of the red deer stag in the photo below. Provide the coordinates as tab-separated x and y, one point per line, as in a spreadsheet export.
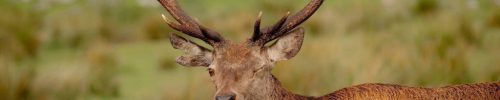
243	70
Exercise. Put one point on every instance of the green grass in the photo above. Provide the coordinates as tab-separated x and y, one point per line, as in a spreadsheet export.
83	50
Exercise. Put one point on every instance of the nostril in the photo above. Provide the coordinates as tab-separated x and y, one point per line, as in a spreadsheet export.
226	97
232	97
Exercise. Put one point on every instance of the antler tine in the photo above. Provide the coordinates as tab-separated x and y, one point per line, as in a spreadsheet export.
264	34
187	24
287	23
276	27
303	15
256	29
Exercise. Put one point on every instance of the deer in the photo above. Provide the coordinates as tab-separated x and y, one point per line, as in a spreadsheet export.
242	71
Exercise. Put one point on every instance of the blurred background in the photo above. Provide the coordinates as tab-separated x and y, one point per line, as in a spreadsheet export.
119	49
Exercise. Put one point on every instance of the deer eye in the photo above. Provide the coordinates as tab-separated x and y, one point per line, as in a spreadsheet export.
210	71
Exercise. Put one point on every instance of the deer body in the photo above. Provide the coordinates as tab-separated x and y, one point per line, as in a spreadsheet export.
376	91
243	70
480	91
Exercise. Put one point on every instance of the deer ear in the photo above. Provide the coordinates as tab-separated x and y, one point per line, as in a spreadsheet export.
287	46
195	55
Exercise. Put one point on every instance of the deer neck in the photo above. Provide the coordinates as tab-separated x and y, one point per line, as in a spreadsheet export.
273	90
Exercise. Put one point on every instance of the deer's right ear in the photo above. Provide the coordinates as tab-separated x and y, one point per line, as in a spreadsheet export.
287	46
195	55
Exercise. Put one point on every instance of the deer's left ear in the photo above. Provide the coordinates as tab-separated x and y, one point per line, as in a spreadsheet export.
287	46
195	55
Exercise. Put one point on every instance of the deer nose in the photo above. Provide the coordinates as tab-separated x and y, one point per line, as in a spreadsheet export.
226	97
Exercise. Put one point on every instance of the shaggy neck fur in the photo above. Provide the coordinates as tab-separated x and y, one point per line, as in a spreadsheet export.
273	90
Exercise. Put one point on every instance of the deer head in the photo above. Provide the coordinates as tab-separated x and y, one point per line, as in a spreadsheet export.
239	70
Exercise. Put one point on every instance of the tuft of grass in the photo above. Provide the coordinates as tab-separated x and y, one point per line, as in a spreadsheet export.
426	6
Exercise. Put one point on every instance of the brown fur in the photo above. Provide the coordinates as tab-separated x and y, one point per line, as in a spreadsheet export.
479	91
376	91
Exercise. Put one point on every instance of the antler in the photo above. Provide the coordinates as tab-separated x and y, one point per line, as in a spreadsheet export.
187	25
284	25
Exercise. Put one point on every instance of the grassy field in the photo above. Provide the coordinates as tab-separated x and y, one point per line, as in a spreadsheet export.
119	49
